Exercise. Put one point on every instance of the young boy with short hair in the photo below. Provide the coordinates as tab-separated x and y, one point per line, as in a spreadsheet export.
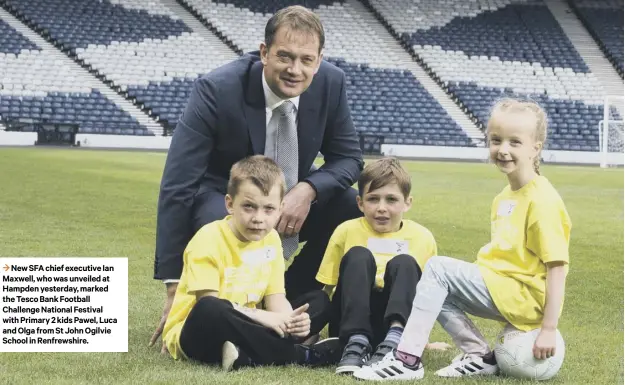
231	267
375	263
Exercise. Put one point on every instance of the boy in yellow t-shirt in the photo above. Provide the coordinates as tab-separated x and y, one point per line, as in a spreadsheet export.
375	263
232	267
519	276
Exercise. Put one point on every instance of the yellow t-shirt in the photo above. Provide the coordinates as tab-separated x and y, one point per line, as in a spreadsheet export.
529	227
215	259
412	239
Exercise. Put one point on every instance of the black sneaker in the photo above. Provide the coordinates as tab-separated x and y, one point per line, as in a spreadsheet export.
383	348
354	356
324	353
232	358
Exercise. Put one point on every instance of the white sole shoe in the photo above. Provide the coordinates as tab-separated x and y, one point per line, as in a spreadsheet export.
468	366
389	369
347	369
229	354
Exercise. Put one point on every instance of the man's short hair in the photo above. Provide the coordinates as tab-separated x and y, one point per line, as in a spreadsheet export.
262	171
296	18
383	172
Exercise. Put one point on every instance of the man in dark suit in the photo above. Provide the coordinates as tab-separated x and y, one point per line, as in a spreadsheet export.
285	102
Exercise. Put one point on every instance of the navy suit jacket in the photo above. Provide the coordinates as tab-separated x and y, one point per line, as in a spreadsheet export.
225	121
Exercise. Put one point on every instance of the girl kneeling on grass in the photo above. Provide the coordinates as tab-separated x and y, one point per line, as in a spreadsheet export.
518	278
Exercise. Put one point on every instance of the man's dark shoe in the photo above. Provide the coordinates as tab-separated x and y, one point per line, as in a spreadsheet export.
324	353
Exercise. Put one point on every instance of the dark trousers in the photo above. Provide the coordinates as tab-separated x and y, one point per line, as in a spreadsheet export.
316	231
213	321
359	308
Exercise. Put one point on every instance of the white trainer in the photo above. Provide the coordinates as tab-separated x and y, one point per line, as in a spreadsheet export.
389	369
468	365
229	355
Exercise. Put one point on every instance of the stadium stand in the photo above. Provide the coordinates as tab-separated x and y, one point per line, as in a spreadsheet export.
604	21
386	99
483	50
476	50
36	88
140	48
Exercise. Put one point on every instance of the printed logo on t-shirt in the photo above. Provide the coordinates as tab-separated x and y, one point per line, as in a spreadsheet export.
253	298
506	207
387	246
503	233
246	283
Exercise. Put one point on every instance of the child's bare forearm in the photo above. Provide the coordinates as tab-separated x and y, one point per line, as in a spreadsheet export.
556	277
277	303
253	313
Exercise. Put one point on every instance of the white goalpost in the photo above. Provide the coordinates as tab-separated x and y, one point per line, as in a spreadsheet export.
611	132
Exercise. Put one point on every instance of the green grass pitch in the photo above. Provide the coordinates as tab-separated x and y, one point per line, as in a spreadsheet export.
58	202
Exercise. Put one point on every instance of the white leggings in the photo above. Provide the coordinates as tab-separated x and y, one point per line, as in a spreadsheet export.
448	289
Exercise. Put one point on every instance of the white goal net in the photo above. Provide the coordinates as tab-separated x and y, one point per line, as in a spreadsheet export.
611	132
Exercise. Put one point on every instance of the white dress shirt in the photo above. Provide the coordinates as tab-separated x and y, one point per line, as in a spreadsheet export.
271	102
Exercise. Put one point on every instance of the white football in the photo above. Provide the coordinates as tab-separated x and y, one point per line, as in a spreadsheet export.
513	352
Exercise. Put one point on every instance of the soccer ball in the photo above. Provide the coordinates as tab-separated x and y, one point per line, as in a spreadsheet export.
515	358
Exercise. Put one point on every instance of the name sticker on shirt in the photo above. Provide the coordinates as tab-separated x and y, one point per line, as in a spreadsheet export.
259	256
387	246
505	208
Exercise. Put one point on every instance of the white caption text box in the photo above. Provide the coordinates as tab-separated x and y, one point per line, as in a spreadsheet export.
63	304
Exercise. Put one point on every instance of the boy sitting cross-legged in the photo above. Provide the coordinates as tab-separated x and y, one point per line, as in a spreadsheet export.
375	263
231	267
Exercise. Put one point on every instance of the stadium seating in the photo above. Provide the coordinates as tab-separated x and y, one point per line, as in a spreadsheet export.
385	98
411	116
35	88
13	42
483	50
604	21
477	50
139	47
